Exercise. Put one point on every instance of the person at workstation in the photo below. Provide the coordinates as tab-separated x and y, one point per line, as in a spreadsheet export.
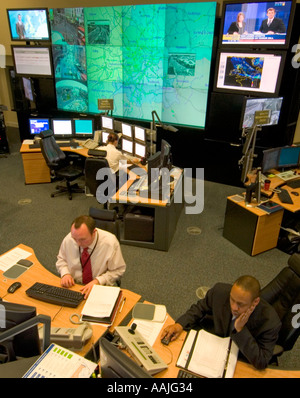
239	312
114	156
272	24
90	256
238	27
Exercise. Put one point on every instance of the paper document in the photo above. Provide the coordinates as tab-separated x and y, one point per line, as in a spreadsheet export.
12	257
148	329
58	362
101	301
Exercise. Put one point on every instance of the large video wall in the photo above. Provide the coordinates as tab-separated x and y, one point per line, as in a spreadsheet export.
144	57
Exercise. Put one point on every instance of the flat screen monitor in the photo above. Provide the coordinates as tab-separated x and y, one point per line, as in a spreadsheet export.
83	128
253	72
127	130
28	88
33	61
25	344
270	159
257	24
62	128
38	125
139	134
127	146
116	364
289	157
251	105
29	24
139	150
107	123
105	135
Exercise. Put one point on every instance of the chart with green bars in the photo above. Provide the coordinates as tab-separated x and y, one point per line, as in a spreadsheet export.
144	57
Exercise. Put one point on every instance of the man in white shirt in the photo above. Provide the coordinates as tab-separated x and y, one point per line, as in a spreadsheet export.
104	256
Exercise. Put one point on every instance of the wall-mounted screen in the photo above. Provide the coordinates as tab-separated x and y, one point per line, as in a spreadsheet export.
252	72
29	24
62	128
264	24
135	56
38	125
251	105
32	61
83	127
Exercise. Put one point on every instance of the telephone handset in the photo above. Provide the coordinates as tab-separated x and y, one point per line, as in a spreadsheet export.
74	338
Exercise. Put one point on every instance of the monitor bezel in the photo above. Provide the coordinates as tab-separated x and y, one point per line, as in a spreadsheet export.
14	39
124	150
106	128
59	136
83	135
256	45
138	139
245	91
144	146
131	136
38	118
288	165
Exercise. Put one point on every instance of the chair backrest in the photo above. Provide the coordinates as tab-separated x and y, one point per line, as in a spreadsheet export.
105	219
282	293
53	155
92	181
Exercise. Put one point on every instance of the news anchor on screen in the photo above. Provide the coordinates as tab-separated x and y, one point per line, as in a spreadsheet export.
272	25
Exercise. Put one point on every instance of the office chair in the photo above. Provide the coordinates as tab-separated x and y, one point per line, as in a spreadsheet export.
283	292
106	219
63	167
93	179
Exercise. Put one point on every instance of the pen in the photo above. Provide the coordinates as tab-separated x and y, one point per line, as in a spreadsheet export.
122	304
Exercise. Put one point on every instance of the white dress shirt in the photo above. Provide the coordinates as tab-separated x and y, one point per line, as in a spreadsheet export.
107	260
113	156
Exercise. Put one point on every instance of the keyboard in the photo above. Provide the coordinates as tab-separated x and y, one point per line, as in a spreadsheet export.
294	183
60	144
284	196
55	295
183	374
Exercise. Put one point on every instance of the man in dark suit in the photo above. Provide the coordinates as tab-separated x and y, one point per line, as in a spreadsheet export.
236	311
272	25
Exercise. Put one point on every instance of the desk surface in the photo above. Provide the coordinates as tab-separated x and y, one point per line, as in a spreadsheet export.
60	317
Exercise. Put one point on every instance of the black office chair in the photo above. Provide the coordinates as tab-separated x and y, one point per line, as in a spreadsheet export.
95	176
62	167
106	219
283	292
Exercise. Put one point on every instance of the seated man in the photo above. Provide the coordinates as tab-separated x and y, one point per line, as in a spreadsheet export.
238	312
90	256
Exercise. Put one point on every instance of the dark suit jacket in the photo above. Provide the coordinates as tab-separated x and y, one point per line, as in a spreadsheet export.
256	340
277	26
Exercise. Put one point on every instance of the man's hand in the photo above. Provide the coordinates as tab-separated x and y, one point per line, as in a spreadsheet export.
88	287
67	281
241	320
172	331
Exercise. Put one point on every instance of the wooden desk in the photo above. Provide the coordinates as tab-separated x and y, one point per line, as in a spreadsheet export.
59	315
250	228
36	170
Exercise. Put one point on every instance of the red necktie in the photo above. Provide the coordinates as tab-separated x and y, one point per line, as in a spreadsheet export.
87	275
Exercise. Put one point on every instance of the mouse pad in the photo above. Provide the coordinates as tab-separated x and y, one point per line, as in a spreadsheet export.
15	271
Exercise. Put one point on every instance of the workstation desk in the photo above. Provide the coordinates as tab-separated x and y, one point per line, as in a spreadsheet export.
60	317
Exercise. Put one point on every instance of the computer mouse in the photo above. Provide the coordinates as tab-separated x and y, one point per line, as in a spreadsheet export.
12	288
295	193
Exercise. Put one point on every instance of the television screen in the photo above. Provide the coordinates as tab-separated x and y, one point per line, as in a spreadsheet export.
164	67
28	88
127	146
127	130
259	104
83	127
29	24
139	150
107	123
32	61
38	125
139	134
251	72
62	127
257	23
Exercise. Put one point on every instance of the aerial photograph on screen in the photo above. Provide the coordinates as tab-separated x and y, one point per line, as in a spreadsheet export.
135	56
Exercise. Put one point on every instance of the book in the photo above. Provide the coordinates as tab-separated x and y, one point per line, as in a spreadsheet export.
102	304
270	206
208	355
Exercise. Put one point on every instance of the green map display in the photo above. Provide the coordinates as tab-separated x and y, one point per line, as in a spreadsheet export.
144	57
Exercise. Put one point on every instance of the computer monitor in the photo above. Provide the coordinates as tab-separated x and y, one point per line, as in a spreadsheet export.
270	159
139	134
127	146
25	344
33	61
38	125
116	364
62	128
83	128
251	105
104	135
127	130
140	150
289	157
107	123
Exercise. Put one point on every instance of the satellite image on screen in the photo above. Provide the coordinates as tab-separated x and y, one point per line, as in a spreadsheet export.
243	71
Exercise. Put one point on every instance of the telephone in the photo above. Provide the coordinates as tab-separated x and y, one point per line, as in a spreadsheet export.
74	338
90	144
